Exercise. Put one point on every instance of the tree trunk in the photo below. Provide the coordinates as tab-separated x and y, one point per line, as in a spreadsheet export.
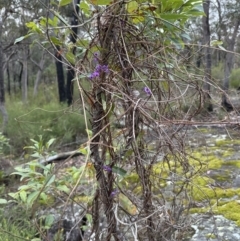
228	65
60	75
24	79
2	93
39	74
73	39
207	56
8	80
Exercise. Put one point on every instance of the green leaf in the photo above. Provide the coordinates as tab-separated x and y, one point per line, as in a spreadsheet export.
31	25
89	132
3	201
14	195
32	197
49	220
23	196
50	142
85	7
192	2
132	6
173	16
22	38
216	43
36	239
64	2
63	188
51	180
100	2
222	48
84	150
55	41
119	171
71	58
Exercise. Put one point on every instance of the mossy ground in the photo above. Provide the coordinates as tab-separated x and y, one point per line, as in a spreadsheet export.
220	200
202	187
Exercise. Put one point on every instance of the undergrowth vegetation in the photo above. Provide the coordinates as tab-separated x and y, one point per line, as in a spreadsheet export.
46	117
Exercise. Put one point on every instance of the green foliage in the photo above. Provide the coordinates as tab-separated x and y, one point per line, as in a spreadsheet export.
235	78
52	120
15	224
218	73
4	143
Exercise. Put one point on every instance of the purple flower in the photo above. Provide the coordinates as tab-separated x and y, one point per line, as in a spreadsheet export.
98	70
95	74
107	168
96	57
114	193
105	69
147	90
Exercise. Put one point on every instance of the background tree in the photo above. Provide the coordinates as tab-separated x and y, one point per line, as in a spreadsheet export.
207	54
2	91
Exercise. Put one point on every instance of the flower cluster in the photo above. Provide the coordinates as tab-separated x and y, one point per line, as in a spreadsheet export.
107	168
98	70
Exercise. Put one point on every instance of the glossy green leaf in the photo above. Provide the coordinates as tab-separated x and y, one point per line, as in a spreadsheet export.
64	2
119	171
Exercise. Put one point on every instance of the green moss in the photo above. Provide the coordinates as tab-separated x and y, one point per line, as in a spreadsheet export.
226	142
228	153
83	199
203	130
235	163
210	236
205	161
230	210
206	193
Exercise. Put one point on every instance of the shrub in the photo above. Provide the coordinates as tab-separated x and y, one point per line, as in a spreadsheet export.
235	79
218	73
52	120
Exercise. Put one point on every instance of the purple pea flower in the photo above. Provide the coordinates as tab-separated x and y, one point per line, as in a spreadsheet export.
107	168
105	69
98	70
114	193
95	74
96	57
147	90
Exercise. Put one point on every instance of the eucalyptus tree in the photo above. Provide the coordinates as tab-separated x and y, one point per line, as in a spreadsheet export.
2	91
207	53
18	53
